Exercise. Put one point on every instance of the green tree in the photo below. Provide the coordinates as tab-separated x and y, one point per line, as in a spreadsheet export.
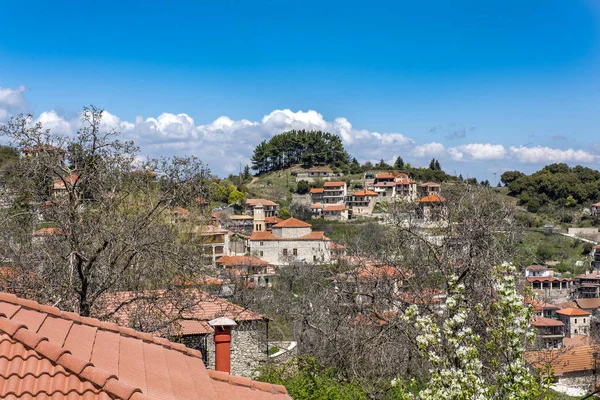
284	213
302	187
399	163
247	175
236	197
432	164
438	167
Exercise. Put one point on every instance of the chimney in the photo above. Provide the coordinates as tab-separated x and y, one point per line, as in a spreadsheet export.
222	335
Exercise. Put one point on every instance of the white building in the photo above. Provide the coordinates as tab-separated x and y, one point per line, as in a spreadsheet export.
334	192
576	320
289	241
538	271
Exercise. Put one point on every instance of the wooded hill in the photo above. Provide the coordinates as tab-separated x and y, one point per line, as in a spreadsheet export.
308	148
554	185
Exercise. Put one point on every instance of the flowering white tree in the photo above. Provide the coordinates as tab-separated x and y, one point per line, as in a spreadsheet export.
453	348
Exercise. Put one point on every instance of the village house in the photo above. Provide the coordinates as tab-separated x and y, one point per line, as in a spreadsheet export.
543	309
50	354
319	173
270	208
391	185
361	203
595	209
315	174
576	320
550	286
334	192
316	195
289	241
428	188
590	304
550	332
538	271
214	240
335	212
588	285
432	207
252	270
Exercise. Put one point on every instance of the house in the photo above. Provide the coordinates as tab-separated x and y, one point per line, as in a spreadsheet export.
50	354
361	203
550	332
595	209
319	173
214	240
588	285
61	186
427	188
591	305
538	271
334	192
432	207
549	284
568	366
187	317
251	269
576	320
406	189
45	150
543	309
289	241
335	212
271	209
317	194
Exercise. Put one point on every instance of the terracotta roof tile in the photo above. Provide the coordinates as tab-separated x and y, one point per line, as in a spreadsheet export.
317	190
362	193
335	207
543	321
292	223
573	312
99	362
264	202
432	198
574	359
334	184
236	261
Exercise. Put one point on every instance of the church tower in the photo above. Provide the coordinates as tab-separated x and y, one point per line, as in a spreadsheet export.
259	218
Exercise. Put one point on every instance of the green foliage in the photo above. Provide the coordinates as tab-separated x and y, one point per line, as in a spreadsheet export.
235	197
284	213
247	175
306	379
8	154
303	187
382	165
554	185
399	163
306	147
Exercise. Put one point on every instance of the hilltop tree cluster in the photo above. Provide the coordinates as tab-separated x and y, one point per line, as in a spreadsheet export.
308	148
554	185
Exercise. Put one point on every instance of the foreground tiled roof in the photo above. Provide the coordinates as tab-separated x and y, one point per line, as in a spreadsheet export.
543	321
292	223
573	312
546	279
273	220
561	361
49	354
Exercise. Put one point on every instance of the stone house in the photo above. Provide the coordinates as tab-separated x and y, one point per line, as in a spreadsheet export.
391	185
289	241
186	320
588	285
432	207
252	270
576	320
316	195
214	240
595	209
427	188
543	309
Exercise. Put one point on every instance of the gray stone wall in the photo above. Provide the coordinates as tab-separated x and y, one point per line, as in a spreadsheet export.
248	347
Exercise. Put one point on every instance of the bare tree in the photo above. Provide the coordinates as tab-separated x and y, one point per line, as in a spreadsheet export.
90	218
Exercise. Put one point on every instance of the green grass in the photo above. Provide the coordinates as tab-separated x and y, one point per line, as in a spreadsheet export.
537	248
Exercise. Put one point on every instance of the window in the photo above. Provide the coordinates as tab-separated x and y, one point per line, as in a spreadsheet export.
295	252
575	320
261	253
262	243
314	258
584	320
285	252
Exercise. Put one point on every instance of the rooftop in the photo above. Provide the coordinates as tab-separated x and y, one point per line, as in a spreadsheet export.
264	202
561	361
573	312
365	193
47	353
317	190
335	207
268	236
334	184
543	321
237	261
292	223
432	198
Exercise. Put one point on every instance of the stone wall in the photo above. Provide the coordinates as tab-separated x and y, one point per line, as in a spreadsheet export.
582	231
272	250
248	347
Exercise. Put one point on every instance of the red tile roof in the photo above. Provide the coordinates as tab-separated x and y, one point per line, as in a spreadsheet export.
273	220
292	223
596	205
47	231
316	206
365	193
561	361
334	184
197	306
46	353
592	275
539	305
546	279
384	176
268	236
317	190
573	312
405	181
335	207
264	202
60	183
543	321
237	261
432	198
429	184
588	303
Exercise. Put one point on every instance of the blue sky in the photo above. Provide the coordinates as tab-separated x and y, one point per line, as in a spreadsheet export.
483	86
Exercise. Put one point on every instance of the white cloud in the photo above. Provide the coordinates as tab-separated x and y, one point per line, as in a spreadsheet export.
57	124
477	151
432	149
545	155
11	101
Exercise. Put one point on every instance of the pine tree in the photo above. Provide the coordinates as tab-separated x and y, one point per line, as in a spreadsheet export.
399	164
438	167
432	164
247	174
